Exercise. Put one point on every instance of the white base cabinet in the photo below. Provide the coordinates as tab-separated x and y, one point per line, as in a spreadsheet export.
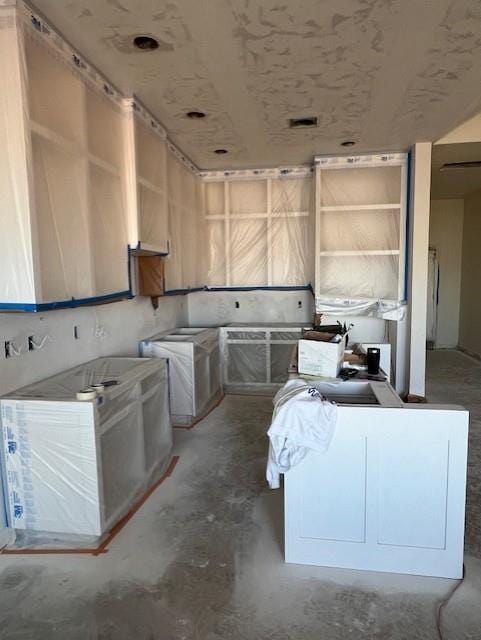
256	356
194	369
75	467
388	495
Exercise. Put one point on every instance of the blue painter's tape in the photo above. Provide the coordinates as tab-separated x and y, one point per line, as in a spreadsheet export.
64	304
129	267
183	292
408	226
306	287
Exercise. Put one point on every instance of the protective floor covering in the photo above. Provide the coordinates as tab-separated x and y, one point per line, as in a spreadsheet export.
202	559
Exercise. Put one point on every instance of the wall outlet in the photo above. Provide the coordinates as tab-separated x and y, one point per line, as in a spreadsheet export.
8	349
237	305
76	334
31	343
299	304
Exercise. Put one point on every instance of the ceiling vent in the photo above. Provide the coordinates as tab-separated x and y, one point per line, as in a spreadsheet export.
303	123
195	115
475	164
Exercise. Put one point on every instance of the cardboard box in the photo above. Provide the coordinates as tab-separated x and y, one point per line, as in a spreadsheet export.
323	359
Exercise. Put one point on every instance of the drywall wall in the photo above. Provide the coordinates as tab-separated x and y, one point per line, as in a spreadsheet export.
116	328
468	131
213	308
470	309
446	236
112	329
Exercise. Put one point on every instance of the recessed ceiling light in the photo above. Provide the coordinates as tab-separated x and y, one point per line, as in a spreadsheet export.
146	43
348	143
221	151
302	123
195	115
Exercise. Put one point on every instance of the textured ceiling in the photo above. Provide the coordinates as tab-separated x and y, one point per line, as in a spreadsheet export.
385	73
455	183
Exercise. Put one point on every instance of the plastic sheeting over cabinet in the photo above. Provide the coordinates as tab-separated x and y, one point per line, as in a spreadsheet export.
194	369
259	229
256	357
360	233
184	265
148	203
63	211
75	467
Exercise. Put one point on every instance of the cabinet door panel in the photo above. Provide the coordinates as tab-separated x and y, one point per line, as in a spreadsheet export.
62	221
108	232
153	218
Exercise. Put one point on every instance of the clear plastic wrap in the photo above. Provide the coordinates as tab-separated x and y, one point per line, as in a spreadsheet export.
193	355
64	220
151	175
383	309
75	467
259	231
17	283
256	357
183	266
360	235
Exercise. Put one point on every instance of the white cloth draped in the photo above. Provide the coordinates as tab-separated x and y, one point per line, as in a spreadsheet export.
302	420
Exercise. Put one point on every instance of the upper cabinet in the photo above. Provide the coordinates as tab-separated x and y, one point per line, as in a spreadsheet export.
63	202
259	228
149	205
184	265
83	174
360	231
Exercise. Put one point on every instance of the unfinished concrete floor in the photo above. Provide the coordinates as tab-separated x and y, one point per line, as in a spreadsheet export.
203	558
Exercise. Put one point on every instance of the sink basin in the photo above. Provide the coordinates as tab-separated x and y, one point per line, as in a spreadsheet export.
351	392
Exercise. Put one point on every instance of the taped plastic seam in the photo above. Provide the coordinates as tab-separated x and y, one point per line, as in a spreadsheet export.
74	467
66	304
374	308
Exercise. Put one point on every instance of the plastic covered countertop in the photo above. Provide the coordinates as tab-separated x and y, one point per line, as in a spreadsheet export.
203	338
65	385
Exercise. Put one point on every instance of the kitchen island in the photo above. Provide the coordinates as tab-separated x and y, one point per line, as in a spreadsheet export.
389	493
